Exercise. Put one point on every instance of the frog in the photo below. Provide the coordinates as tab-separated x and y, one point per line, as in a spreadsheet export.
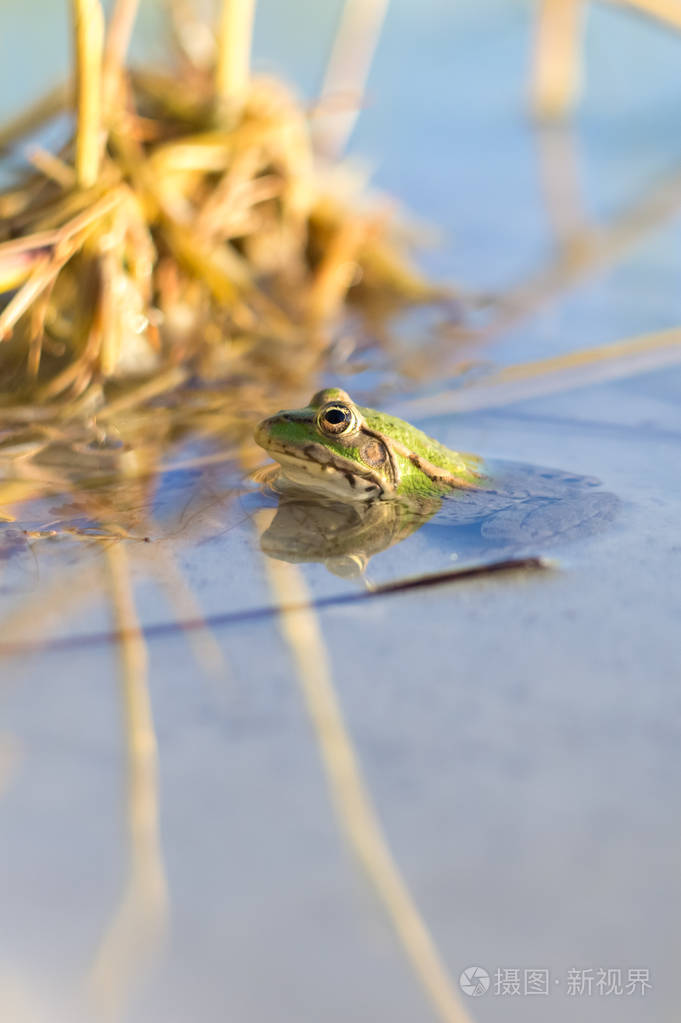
333	452
336	448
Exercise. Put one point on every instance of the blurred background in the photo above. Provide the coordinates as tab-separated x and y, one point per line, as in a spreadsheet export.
184	848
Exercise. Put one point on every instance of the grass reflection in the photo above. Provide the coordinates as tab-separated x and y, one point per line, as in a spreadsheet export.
356	814
136	933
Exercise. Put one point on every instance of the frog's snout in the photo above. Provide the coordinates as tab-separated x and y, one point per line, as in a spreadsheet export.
263	431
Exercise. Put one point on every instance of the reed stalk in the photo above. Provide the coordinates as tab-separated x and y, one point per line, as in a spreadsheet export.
88	29
233	58
666	11
347	73
116	46
557	57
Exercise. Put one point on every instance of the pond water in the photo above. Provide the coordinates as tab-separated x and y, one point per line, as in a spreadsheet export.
522	510
199	797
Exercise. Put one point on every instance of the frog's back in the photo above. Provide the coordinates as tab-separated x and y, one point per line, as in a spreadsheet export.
427	448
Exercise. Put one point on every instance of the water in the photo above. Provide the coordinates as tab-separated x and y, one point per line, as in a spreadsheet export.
524	510
518	734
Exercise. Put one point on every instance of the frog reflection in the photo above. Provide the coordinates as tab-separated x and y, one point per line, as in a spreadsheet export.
342	535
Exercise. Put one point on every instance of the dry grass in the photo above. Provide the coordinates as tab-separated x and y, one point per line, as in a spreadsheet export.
184	261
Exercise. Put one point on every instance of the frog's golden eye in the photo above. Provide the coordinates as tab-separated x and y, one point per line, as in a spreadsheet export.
336	418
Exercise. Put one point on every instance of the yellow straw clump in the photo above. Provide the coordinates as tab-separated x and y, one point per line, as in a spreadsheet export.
185	225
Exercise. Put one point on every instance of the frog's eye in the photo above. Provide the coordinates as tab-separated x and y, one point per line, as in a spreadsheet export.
336	418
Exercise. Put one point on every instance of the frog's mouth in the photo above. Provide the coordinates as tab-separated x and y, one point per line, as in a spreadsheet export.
315	467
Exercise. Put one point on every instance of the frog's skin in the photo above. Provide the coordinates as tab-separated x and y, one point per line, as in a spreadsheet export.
336	448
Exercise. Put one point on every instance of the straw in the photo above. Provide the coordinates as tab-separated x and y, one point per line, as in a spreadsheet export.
88	29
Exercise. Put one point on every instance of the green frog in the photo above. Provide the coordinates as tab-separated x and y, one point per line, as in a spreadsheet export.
354	481
338	449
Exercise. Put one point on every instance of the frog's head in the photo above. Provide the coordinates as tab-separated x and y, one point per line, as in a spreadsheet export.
329	448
